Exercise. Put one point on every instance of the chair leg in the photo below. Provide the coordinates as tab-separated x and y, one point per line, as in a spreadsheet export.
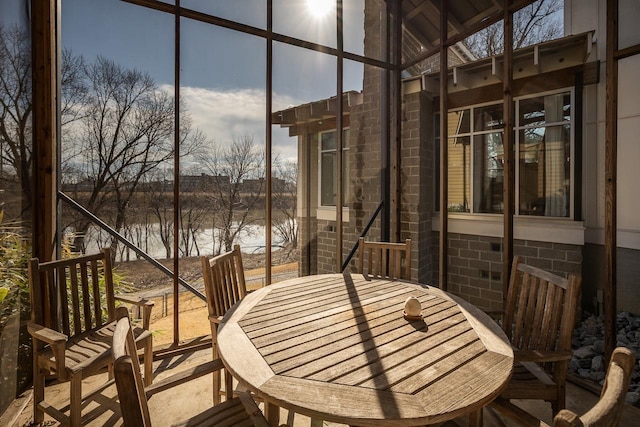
148	361
216	380
228	385
76	401
216	387
38	391
272	414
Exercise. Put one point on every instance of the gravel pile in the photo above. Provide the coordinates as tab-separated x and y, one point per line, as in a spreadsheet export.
588	350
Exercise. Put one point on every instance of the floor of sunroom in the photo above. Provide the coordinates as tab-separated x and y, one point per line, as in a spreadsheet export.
189	399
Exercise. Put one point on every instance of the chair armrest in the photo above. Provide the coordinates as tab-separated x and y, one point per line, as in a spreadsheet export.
140	302
45	334
184	376
540	356
55	339
516	414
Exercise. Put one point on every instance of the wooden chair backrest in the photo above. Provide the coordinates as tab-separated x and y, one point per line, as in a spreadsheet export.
384	259
541	308
223	281
66	295
607	411
126	369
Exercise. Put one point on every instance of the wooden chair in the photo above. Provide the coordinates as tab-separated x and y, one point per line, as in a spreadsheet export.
539	319
384	259
72	322
605	413
133	395
224	286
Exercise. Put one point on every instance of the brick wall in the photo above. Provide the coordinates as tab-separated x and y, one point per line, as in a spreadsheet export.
308	246
363	158
416	170
475	265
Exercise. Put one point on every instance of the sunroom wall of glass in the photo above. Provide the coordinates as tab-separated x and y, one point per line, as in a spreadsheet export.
210	108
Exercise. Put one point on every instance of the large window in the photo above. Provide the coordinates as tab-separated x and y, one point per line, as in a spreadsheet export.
329	168
543	146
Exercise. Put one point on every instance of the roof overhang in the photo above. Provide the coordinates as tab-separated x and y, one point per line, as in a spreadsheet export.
315	111
421	18
547	57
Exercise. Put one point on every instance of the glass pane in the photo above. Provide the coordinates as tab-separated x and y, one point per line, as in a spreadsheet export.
459	174
545	109
353	73
117	143
628	34
250	12
459	122
328	179
545	171
353	13
359	39
488	161
488	118
328	141
223	159
15	199
301	113
418	39
308	20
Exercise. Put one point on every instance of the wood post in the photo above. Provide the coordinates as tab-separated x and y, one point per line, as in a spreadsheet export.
611	157
44	122
443	256
509	152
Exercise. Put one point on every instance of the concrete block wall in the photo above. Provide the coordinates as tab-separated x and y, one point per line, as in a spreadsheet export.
416	170
307	244
475	265
326	247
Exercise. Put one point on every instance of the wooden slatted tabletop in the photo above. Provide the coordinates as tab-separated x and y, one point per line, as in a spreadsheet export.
337	347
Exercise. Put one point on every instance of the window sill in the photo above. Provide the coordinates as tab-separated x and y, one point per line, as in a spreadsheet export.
553	230
328	213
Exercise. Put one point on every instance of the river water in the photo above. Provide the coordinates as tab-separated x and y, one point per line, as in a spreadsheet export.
251	239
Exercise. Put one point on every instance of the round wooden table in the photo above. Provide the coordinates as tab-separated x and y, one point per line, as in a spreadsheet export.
338	348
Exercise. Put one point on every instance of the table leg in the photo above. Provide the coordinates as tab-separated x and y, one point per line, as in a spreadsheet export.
272	414
475	418
316	422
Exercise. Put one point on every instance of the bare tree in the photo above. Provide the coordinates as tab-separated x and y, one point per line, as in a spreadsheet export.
538	22
16	105
192	218
284	202
123	132
233	200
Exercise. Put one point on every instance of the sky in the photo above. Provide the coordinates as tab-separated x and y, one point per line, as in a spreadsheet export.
222	71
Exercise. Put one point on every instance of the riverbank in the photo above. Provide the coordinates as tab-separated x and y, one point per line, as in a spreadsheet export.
140	275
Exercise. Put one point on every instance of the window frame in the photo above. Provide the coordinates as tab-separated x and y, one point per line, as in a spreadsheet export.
517	128
345	149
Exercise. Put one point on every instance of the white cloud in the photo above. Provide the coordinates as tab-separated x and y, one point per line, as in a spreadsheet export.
224	115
